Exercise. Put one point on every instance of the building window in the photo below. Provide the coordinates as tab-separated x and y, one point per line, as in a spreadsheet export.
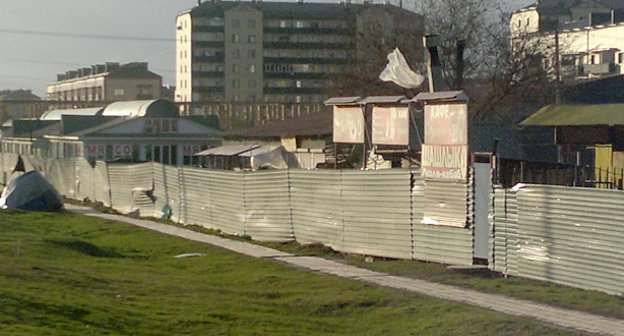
235	68
252	38
620	58
252	83
235	23
236	53
252	53
119	92
236	98
299	24
252	68
282	24
592	59
251	23
235	38
236	83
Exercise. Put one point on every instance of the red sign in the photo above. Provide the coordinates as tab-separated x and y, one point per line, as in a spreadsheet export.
95	150
448	162
189	150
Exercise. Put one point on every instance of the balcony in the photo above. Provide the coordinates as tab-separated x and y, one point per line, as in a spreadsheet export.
202	89
209	59
208	74
600	69
305	60
292	90
319	31
297	75
308	45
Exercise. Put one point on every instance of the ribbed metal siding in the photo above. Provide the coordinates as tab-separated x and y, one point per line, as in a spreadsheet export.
61	173
166	190
267	206
85	185
197	197
572	236
316	207
227	201
377	212
447	203
123	179
102	183
504	231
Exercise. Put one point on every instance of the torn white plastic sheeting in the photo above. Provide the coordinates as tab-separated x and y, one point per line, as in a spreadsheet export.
189	255
275	157
398	71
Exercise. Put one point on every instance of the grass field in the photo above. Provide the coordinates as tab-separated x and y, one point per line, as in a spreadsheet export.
481	280
63	274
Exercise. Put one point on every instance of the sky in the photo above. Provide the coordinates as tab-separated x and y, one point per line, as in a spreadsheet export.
37	37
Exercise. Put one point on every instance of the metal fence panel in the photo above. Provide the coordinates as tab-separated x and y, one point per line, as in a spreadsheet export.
572	236
61	173
504	242
129	185
377	212
227	201
102	183
316	207
267	206
196	198
449	204
166	190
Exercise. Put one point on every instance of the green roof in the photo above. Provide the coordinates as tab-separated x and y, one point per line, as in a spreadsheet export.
577	115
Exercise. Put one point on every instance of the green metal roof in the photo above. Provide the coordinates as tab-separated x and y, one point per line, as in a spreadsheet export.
577	115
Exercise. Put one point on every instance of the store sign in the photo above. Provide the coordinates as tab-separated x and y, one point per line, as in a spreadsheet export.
391	126
190	150
348	125
122	150
445	162
445	152
95	150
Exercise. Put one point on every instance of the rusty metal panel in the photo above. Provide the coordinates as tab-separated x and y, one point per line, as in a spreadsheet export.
377	212
572	236
445	232
267	206
129	183
316	207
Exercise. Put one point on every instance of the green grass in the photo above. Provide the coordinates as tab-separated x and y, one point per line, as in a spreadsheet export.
481	280
63	274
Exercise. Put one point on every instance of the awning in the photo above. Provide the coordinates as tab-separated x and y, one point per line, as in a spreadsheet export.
259	151
577	115
230	150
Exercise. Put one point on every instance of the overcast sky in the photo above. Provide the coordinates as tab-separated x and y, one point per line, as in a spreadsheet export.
33	48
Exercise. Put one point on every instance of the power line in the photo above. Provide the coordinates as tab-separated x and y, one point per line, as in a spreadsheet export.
87	36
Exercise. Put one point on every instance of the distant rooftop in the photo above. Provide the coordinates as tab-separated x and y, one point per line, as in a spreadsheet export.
112	70
18	95
290	10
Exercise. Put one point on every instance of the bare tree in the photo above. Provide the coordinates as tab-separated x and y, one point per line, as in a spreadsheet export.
380	29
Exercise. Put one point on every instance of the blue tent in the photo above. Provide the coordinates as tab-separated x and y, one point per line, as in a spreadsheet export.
31	191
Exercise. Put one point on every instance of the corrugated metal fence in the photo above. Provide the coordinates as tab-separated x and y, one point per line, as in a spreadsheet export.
367	212
571	236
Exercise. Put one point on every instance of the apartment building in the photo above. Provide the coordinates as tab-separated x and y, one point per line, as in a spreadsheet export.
107	82
276	52
590	34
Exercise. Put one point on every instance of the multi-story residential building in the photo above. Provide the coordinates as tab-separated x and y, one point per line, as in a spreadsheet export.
277	52
589	32
107	82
